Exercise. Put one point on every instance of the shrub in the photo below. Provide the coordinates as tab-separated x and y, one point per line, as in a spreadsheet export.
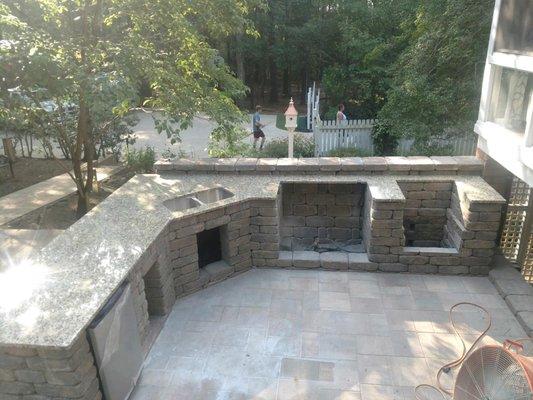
385	139
141	161
228	140
331	113
420	149
173	153
279	148
349	152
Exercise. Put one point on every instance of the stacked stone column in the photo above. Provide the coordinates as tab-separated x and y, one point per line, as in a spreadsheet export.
237	248
151	282
35	374
483	221
264	233
234	223
383	233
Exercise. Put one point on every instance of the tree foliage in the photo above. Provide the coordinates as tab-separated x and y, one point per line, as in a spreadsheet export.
437	78
372	36
294	41
416	65
92	54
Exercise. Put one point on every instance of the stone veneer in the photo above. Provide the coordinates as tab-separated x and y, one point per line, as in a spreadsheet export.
429	229
414	165
38	374
250	237
424	215
234	221
313	211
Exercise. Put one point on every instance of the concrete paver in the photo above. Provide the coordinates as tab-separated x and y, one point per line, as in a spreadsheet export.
304	334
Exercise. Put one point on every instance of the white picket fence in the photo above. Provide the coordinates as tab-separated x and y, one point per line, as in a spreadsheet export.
313	105
330	135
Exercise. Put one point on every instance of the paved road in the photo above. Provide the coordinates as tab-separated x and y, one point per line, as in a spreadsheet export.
194	139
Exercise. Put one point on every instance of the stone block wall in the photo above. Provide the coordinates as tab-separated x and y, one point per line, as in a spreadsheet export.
425	212
234	223
311	211
265	236
36	374
383	234
469	237
151	283
415	165
473	228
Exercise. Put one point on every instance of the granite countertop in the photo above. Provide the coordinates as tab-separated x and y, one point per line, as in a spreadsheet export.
50	300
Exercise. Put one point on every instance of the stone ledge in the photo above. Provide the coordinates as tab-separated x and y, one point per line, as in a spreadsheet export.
218	271
430	251
518	294
520	303
508	287
409	165
332	260
525	318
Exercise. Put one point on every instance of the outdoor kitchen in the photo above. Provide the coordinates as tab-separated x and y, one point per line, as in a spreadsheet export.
197	223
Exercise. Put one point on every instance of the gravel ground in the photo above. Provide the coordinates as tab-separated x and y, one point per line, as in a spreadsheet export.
28	171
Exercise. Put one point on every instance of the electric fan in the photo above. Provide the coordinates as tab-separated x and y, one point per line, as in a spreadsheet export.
492	372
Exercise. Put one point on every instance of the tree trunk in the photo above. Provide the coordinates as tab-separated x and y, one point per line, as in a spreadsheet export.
303	88
83	135
239	62
273	71
81	142
286	84
239	59
272	67
83	204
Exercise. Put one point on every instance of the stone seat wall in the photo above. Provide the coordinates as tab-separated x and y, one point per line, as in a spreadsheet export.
415	165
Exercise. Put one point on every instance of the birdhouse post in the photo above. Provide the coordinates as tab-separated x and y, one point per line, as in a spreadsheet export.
290	123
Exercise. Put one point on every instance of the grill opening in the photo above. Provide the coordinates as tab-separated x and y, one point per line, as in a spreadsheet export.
209	246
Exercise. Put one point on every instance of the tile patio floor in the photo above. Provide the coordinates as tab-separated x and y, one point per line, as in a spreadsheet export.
290	334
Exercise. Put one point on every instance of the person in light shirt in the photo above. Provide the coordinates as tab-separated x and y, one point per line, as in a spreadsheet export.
341	117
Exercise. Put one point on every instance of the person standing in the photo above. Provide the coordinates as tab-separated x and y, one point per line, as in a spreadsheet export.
341	117
257	128
342	121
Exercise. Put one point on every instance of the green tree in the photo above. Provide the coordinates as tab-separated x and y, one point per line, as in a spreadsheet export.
293	41
437	79
67	48
372	36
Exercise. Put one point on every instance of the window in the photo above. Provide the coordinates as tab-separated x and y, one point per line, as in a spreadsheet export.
511	95
514	34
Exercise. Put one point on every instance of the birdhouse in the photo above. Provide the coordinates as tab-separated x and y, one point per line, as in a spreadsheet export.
291	116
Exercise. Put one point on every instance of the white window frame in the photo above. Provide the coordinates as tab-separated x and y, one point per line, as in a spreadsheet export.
493	67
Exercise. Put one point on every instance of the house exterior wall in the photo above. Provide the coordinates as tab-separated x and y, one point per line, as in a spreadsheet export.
507	87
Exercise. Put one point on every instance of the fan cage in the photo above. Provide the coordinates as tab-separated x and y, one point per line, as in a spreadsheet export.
493	373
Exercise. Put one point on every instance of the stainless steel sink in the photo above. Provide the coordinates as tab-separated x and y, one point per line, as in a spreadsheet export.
181	203
214	194
197	199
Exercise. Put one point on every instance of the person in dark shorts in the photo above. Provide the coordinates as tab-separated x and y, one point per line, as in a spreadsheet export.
256	128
